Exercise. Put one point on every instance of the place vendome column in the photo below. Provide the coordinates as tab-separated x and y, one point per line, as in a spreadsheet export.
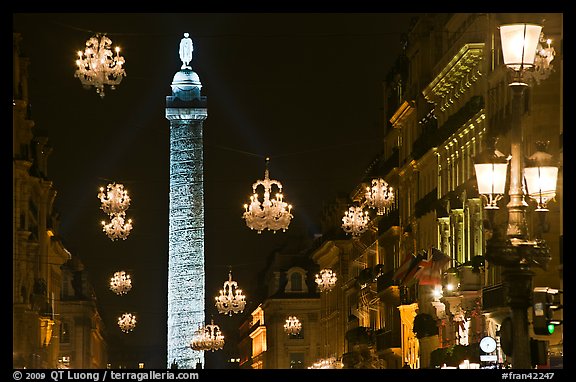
186	110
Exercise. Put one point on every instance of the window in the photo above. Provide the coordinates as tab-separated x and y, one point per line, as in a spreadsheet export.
296	360
64	362
299	336
296	280
64	333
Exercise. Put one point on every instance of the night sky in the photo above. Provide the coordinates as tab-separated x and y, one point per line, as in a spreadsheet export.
304	89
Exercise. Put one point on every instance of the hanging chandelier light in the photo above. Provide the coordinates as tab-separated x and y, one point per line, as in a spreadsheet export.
97	66
355	221
545	54
206	338
120	283
115	200
231	299
292	325
327	363
127	322
118	228
326	280
380	196
271	214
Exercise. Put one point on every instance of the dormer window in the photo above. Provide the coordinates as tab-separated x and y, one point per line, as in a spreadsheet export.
296	282
296	277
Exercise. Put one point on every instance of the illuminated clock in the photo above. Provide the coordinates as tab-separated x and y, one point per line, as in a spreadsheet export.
488	344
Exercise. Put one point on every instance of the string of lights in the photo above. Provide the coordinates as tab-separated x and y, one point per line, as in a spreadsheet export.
234	35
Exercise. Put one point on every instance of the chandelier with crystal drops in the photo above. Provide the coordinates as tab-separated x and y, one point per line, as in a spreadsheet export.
127	322
327	363
118	228
120	283
231	299
115	200
271	214
292	325
208	337
355	221
98	66
380	196
545	53
326	280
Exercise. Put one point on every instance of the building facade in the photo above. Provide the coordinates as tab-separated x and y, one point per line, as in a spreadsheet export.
43	324
415	288
82	331
290	292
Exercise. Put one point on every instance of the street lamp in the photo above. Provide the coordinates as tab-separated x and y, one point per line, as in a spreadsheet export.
515	252
491	167
541	176
519	44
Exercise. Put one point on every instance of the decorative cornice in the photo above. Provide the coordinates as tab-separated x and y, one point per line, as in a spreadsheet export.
403	111
456	77
326	253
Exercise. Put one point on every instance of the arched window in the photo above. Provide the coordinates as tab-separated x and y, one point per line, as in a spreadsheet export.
296	282
296	277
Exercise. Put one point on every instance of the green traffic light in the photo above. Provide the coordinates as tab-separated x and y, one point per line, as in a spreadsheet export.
551	328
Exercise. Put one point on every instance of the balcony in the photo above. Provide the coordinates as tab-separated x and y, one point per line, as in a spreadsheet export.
427	203
390	163
388	221
408	295
493	297
470	278
365	277
385	281
432	135
387	339
360	335
427	139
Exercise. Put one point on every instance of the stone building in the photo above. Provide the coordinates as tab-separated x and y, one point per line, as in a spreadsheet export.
40	315
290	291
416	284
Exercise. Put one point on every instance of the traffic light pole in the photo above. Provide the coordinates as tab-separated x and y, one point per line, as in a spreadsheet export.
545	303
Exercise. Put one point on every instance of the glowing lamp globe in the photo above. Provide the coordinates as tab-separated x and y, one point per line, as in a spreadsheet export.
519	43
541	176
491	167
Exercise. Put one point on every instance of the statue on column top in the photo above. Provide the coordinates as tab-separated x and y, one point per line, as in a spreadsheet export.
186	49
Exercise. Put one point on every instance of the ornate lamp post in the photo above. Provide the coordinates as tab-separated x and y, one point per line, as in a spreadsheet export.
515	252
